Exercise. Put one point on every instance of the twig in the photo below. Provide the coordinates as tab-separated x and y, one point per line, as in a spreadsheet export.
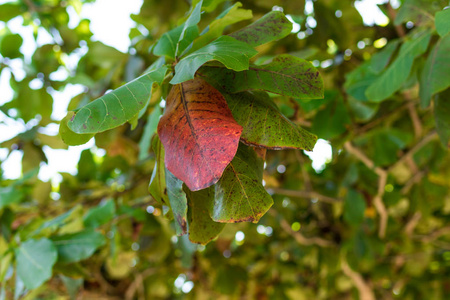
382	178
392	14
429	137
137	285
413	180
411	225
417	124
364	290
305	194
300	238
435	235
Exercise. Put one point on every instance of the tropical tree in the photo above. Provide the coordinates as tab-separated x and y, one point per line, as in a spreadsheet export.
210	118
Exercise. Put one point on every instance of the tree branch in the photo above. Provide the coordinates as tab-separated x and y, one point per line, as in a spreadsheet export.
382	178
305	194
364	290
300	238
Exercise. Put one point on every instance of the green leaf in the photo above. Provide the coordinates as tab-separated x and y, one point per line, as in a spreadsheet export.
68	136
441	116
264	125
87	168
178	202
9	11
285	75
435	76
232	15
239	194
392	79
102	214
332	120
202	229
35	260
78	246
209	5
442	22
10	195
233	54
157	187
363	111
10	46
167	44
358	80
381	59
386	144
116	107
271	27
190	23
149	131
354	207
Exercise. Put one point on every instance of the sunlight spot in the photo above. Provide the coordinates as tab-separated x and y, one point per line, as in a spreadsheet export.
321	155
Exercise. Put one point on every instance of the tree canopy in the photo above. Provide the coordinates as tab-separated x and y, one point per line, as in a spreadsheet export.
199	183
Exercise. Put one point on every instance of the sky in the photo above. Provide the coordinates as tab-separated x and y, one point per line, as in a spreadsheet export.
111	29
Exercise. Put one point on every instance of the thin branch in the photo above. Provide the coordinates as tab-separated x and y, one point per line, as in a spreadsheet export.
412	223
382	178
435	235
364	290
305	194
417	124
429	137
300	238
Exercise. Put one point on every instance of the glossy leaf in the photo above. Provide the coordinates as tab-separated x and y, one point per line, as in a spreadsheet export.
78	246
199	133
435	76
35	260
68	136
264	125
157	187
442	22
271	27
442	117
178	202
232	53
396	74
202	229
239	194
285	75
232	15
116	107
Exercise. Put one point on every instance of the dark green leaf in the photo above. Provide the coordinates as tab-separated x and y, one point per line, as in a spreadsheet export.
116	107
87	168
10	195
271	27
264	125
100	215
442	117
78	246
285	75
35	260
233	54
396	74
442	22
239	194
331	121
202	229
157	187
178	202
358	80
435	76
354	207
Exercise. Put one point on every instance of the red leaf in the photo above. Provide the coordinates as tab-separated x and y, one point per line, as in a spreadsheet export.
199	133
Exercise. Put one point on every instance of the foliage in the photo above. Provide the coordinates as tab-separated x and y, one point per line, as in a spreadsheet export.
239	83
